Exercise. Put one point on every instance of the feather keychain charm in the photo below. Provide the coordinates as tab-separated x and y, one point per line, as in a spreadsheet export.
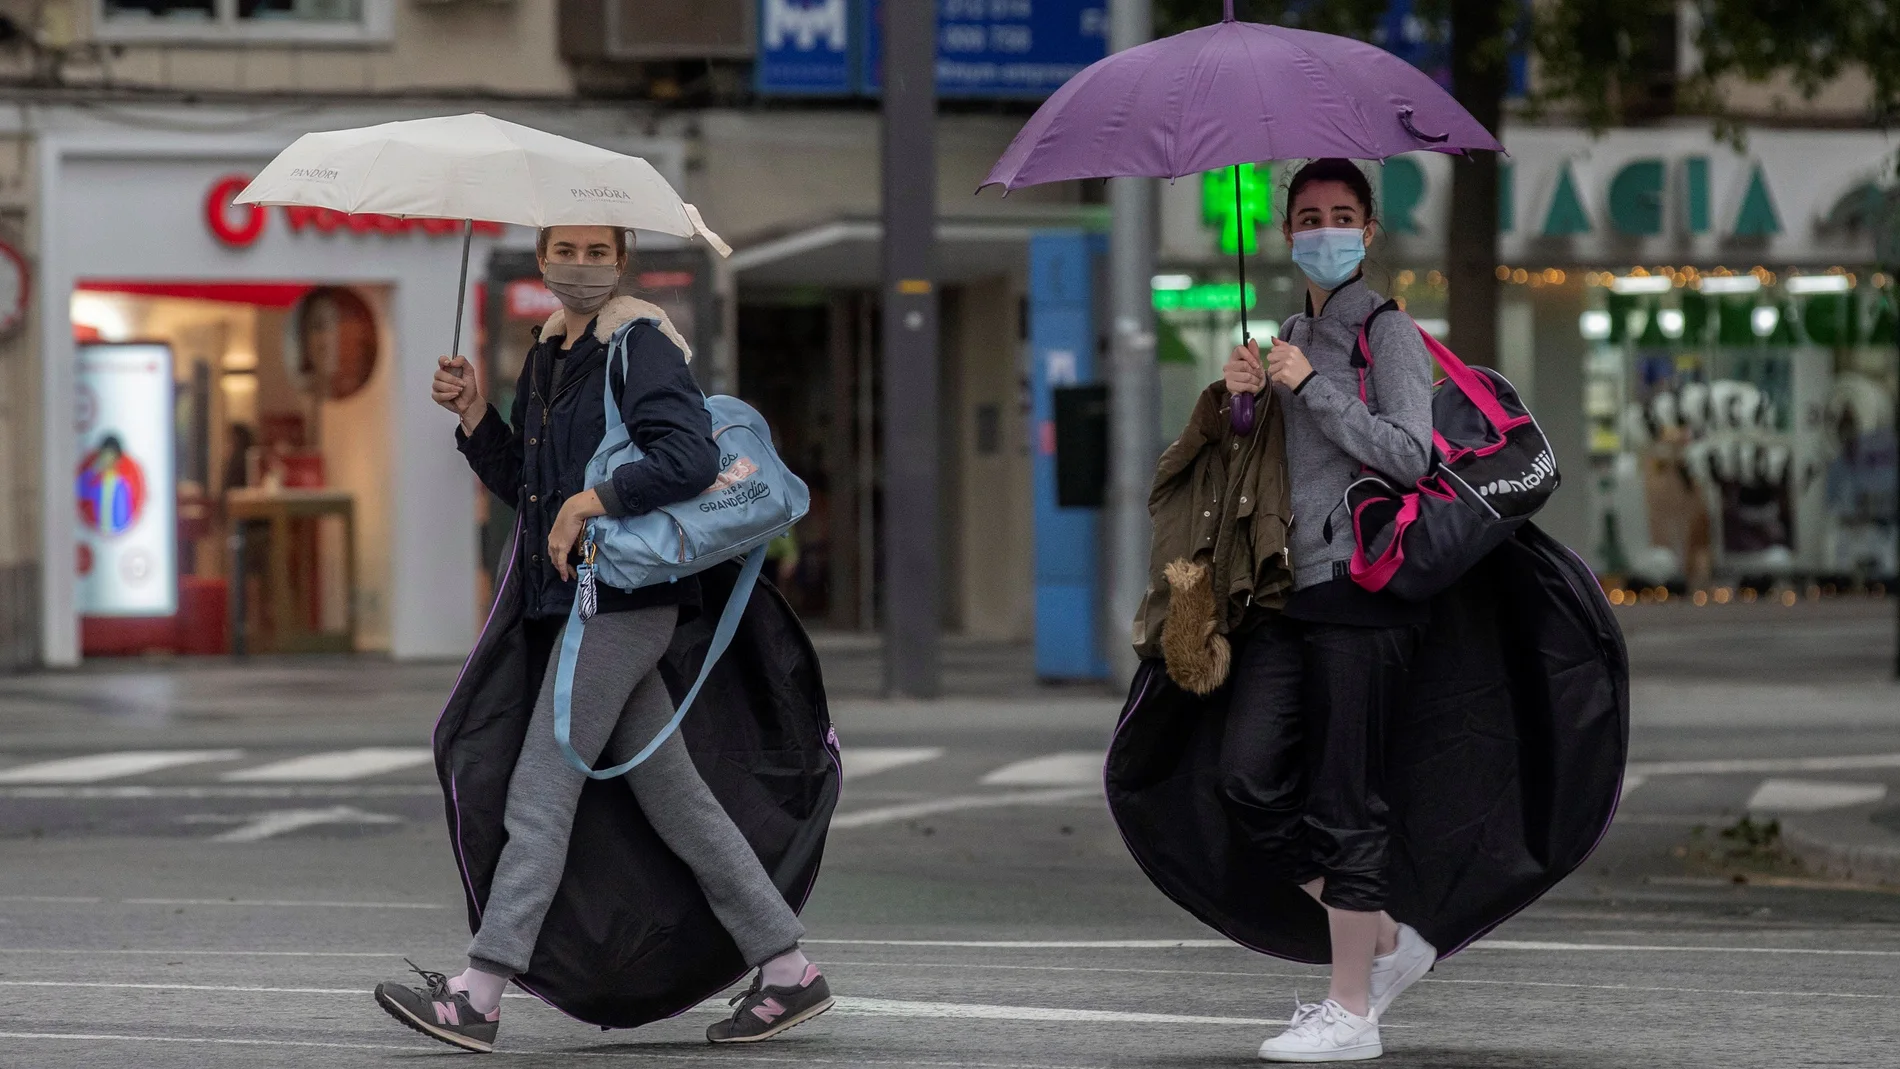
588	595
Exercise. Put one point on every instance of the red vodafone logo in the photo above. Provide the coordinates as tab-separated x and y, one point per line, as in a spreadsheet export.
237	225
240	225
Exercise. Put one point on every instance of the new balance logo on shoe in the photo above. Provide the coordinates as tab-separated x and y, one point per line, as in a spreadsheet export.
447	1013
768	1011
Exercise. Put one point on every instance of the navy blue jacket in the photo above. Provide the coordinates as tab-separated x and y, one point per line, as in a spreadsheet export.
538	459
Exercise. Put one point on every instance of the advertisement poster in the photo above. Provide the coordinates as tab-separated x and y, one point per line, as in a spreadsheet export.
124	486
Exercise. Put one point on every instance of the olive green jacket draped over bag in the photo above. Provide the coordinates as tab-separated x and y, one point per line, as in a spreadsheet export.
1221	508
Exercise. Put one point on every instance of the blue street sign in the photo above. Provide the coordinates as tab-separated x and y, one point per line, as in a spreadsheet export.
1407	35
1001	48
805	48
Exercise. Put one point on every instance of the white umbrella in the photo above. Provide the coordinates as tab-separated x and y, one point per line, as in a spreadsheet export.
473	167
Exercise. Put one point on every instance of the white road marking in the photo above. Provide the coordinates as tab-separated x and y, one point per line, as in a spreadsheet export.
1317	973
874	1007
1041	944
209	1041
283	821
955	803
277	903
1631	781
336	766
906	1008
136	794
1072	769
1627	948
862	761
1765	765
643	1053
1811	796
885	1007
1223	944
92	768
235	953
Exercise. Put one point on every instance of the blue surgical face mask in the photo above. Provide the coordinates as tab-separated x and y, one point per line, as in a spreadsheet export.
1331	255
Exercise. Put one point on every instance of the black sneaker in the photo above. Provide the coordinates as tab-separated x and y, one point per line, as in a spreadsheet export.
766	1011
440	1013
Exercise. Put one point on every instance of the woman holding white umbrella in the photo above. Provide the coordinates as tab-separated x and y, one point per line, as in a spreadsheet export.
535	462
632	935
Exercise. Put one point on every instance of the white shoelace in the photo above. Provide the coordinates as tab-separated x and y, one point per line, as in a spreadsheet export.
1313	1018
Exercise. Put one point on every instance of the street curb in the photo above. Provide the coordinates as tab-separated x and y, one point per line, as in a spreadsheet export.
1845	843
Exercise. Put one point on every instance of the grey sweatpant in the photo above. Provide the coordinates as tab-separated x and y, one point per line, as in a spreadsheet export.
619	703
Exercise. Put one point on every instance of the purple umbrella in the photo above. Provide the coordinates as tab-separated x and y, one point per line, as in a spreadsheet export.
1234	93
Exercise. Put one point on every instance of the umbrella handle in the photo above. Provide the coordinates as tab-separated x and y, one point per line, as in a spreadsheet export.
1240	416
1405	120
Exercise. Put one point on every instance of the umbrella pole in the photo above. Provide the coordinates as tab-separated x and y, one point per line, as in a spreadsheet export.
1240	244
1240	416
461	289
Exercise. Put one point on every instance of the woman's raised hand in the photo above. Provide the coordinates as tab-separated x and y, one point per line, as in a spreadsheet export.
1243	373
454	387
1288	365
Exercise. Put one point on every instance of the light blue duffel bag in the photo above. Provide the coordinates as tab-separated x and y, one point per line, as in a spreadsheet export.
755	499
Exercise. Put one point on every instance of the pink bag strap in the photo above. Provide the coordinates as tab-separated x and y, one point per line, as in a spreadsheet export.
1470	383
1474	386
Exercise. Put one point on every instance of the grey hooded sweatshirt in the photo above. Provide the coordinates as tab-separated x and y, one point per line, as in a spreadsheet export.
1331	436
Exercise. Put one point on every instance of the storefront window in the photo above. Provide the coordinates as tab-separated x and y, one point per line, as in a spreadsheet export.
1742	428
225	20
301	10
193	11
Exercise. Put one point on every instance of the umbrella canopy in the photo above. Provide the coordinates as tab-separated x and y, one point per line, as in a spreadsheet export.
1233	93
475	167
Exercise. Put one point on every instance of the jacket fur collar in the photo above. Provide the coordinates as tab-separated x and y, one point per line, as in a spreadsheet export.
617	313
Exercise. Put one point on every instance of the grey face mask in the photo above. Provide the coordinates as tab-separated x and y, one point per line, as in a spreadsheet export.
582	288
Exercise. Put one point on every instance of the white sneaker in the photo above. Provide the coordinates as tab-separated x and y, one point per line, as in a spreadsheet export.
1402	968
1325	1032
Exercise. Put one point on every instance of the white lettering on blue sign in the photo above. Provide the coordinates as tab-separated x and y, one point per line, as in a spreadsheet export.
804	23
1061	365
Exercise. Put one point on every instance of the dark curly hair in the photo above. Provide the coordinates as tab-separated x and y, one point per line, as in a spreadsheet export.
1332	169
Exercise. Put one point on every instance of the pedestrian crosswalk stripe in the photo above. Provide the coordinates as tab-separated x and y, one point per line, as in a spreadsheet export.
1811	796
1072	769
336	765
93	768
862	761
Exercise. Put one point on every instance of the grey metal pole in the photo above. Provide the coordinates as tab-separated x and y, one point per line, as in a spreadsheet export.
911	543
461	289
1134	384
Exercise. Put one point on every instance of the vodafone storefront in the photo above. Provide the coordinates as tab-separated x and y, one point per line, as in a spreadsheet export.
244	368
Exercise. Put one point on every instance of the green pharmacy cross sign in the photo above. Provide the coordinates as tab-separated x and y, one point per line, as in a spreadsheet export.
1223	212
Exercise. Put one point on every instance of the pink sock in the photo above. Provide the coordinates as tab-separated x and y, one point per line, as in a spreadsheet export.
790	969
482	988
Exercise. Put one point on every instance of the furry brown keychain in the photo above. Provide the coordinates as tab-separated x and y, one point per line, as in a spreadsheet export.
1197	656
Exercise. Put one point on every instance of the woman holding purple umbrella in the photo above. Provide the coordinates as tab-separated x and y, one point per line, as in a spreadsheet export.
1314	685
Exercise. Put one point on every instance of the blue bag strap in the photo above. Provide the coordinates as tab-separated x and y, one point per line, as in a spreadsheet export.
616	353
570	654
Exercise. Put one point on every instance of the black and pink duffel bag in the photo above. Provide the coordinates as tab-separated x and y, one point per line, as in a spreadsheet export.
1492	469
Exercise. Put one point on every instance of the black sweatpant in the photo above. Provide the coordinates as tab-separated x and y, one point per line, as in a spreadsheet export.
1303	757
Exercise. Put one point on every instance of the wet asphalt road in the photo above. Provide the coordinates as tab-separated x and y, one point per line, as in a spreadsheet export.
977	907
